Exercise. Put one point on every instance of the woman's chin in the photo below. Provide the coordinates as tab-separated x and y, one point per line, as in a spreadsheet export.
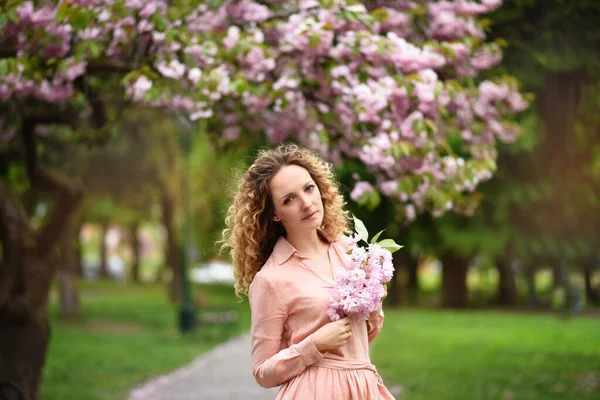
309	225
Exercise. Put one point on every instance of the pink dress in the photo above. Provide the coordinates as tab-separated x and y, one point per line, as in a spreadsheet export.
289	302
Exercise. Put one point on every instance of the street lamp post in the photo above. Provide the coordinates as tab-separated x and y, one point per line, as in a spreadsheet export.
187	311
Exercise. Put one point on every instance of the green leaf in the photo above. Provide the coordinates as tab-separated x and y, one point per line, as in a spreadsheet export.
314	40
160	22
363	199
95	49
380	15
12	15
396	151
374	200
374	240
430	125
351	16
360	227
390	245
3	67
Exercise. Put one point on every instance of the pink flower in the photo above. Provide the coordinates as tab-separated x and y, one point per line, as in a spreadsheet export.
358	290
139	88
359	189
173	69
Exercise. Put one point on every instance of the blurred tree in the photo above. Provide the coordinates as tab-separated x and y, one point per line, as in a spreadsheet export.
554	49
541	207
339	76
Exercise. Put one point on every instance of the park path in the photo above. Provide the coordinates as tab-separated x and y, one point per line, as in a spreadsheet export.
223	373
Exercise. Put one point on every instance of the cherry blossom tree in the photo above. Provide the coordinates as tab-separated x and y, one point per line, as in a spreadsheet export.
393	84
398	85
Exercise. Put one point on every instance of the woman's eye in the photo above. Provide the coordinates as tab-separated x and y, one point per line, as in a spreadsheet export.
310	188
286	201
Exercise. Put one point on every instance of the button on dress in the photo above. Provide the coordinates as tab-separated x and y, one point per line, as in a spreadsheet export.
288	301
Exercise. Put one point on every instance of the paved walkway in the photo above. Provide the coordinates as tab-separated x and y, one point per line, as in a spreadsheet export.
224	373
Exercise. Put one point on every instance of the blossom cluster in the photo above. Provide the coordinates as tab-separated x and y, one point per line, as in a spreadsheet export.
358	290
389	83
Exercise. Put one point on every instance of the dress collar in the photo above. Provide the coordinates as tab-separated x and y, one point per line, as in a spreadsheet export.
283	249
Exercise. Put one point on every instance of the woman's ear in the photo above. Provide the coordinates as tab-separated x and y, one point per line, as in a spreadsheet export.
276	218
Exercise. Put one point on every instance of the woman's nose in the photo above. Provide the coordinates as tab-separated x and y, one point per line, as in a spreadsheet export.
306	203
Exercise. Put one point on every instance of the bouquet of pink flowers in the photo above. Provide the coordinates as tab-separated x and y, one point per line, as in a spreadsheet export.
358	290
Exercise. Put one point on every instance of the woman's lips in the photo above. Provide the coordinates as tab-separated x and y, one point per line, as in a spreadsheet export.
311	216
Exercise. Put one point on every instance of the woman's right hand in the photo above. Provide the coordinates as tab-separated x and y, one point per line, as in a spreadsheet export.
333	335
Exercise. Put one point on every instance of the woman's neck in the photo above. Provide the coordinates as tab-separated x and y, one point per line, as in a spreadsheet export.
306	242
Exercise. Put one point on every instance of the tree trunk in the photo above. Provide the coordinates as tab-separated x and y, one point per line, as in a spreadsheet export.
412	288
395	295
103	271
172	248
556	275
529	270
135	250
66	274
454	280
78	251
26	270
24	336
507	289
591	294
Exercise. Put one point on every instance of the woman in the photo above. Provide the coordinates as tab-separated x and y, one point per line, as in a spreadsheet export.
285	230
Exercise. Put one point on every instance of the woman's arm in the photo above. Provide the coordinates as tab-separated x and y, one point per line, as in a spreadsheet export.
375	324
271	365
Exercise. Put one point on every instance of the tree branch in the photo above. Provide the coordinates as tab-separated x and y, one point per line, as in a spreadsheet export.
109	66
68	193
8	52
14	231
99	117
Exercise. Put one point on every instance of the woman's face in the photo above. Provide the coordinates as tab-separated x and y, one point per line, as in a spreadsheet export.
297	200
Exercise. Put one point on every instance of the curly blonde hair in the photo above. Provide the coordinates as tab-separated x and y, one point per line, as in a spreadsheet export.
251	233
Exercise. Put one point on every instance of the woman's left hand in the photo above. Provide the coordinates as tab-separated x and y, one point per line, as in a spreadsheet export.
373	322
375	317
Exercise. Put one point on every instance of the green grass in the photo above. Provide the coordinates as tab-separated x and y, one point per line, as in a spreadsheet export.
445	355
127	335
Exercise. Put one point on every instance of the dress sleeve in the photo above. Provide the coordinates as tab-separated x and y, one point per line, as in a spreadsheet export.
271	365
378	327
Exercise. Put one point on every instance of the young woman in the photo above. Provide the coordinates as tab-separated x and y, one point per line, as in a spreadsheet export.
285	231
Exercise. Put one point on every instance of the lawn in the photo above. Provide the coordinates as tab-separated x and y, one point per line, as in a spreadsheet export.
127	335
445	355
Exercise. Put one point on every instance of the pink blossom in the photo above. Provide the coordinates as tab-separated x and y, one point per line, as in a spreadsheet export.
486	58
407	126
247	11
358	290
389	188
5	92
173	69
231	132
194	75
233	35
139	88
360	188
396	21
74	68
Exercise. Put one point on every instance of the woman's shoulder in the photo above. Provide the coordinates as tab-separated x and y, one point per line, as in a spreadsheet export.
267	282
267	273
